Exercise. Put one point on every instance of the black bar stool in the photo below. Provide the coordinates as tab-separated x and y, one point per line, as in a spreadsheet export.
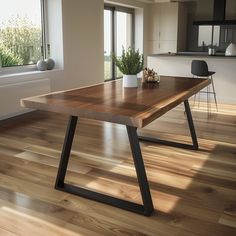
199	68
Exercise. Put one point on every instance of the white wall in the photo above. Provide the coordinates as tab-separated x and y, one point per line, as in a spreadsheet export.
82	22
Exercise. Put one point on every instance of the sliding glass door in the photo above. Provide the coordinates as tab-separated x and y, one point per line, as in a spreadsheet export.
118	34
108	46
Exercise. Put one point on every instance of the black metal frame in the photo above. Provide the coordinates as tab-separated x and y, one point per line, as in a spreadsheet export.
194	146
147	207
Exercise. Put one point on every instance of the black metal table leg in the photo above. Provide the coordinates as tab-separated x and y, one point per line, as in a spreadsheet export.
140	169
177	144
65	155
145	209
191	125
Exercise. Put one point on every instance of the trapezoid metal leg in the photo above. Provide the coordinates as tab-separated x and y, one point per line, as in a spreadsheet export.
191	125
145	209
140	170
177	144
65	155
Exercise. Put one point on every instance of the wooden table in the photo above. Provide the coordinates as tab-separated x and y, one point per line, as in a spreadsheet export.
133	107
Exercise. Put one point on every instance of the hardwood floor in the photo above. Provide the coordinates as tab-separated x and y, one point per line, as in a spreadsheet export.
194	192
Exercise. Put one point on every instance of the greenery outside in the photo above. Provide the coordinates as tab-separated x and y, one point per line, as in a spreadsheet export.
20	42
108	69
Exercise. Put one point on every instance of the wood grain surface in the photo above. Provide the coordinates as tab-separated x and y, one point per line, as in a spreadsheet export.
111	102
194	193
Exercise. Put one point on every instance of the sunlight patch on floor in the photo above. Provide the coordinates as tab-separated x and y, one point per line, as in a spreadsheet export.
24	224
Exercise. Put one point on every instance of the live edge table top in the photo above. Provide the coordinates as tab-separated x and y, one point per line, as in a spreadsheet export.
111	102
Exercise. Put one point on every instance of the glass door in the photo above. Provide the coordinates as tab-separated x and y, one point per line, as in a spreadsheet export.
124	34
118	34
108	44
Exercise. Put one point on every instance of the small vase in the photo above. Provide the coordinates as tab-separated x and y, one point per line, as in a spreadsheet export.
231	50
42	65
50	63
130	81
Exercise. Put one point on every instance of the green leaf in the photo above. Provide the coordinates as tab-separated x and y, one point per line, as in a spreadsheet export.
131	61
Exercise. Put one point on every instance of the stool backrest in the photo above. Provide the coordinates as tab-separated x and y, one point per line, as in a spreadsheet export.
199	68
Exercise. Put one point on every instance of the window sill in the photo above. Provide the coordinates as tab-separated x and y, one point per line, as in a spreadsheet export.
10	78
6	75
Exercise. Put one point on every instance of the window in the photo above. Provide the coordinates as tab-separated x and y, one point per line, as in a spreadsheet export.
208	35
118	34
22	32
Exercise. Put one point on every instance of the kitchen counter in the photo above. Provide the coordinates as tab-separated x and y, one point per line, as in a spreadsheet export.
180	65
193	54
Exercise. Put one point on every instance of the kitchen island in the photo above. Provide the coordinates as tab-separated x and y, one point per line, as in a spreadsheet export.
179	64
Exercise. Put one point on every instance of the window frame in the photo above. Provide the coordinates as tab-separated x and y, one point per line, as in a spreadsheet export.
45	46
114	9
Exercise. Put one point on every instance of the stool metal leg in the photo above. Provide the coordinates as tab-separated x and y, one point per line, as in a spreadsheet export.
199	96
208	102
214	92
210	96
194	99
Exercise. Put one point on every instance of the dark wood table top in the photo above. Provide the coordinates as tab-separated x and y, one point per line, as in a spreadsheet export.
111	102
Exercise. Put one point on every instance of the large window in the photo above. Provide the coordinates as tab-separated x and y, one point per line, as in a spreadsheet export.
118	34
22	32
208	35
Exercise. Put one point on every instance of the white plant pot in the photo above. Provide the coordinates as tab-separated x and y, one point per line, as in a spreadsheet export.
231	50
130	81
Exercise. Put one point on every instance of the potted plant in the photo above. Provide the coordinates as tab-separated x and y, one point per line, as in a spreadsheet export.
130	64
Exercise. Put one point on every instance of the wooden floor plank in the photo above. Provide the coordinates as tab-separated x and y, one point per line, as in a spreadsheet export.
193	192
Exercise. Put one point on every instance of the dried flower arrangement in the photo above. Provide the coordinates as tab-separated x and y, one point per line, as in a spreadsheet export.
150	76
